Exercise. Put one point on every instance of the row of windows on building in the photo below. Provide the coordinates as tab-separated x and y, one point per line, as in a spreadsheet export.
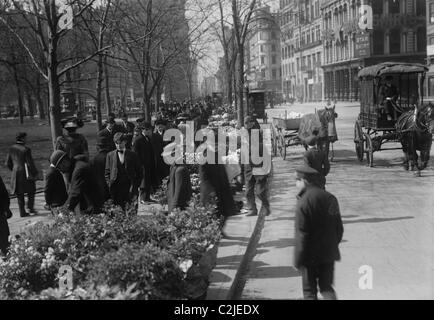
306	13
309	62
274	74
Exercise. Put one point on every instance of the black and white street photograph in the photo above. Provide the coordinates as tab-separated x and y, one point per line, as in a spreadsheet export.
216	153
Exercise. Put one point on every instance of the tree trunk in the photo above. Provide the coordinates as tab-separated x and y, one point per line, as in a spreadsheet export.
39	102
107	86
54	98
99	92
240	86
229	85
19	95
146	104
30	105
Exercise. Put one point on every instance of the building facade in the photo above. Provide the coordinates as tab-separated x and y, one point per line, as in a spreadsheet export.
429	81
263	60
302	50
398	34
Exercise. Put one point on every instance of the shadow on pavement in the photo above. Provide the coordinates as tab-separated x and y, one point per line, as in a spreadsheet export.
274	272
278	244
376	220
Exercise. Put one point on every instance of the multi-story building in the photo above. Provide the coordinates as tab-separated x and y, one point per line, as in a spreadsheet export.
398	34
263	60
302	76
429	81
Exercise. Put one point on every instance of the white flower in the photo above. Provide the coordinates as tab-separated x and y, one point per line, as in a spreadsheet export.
186	265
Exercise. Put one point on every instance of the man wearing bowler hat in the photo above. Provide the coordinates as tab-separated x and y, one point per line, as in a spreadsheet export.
318	232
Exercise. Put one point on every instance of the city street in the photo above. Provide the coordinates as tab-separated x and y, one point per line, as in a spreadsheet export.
388	224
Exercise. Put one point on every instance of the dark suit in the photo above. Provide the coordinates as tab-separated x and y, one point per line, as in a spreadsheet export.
4	228
21	182
318	160
178	187
55	189
142	146
83	189
162	168
98	166
128	129
73	144
107	136
123	179
214	179
318	232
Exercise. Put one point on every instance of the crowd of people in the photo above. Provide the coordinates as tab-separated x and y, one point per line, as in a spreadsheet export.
129	167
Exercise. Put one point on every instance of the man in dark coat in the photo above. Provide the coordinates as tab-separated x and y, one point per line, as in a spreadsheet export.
55	188
317	159
24	173
178	187
142	146
4	228
72	142
123	172
318	232
108	133
84	195
158	145
98	166
128	129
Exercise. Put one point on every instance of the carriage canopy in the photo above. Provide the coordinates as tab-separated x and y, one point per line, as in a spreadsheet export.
384	68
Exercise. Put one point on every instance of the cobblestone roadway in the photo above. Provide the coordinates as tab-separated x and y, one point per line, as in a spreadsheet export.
388	221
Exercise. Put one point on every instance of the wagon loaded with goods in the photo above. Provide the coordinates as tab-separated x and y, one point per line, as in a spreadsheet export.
285	132
376	124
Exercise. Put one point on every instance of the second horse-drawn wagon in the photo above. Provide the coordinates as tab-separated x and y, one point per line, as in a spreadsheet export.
387	90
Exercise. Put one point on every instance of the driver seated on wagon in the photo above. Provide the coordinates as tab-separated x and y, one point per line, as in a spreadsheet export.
388	95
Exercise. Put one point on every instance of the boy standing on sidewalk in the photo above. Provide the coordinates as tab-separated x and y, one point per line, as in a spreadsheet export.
318	232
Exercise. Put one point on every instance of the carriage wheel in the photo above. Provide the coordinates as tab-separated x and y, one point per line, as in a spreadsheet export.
358	141
369	150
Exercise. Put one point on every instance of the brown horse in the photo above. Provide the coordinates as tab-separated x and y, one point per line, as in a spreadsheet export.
322	124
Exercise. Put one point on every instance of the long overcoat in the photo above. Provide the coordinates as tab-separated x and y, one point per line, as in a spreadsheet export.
318	228
22	181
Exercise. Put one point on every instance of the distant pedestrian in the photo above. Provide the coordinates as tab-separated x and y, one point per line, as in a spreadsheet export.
55	188
4	213
317	159
24	174
318	232
71	142
123	172
158	145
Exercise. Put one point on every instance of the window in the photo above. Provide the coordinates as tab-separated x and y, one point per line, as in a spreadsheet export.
318	58
262	48
273	60
431	40
273	48
431	13
318	33
273	35
263	73
377	7
262	60
274	74
393	6
378	41
431	86
421	39
420	7
395	41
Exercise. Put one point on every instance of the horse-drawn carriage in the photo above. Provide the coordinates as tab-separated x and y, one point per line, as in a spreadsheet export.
380	113
294	130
